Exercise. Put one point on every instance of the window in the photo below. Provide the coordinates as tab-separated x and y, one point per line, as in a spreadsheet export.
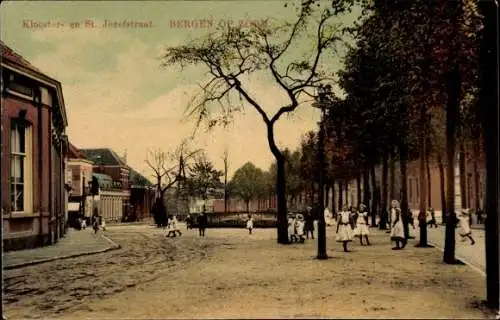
20	85
20	167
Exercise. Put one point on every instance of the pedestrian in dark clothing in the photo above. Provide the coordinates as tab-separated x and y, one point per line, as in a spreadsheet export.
432	223
309	223
202	223
95	220
479	214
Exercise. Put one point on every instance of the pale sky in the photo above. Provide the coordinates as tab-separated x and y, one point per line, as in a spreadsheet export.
116	94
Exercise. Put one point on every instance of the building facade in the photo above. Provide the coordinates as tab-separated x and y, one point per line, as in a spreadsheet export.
33	155
79	178
108	163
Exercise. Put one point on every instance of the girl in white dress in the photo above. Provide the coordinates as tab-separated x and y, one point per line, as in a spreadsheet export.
397	230
299	227
103	224
465	231
291	228
344	229
361	226
250	224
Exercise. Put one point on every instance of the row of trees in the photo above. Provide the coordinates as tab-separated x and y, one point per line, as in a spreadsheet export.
411	79
416	89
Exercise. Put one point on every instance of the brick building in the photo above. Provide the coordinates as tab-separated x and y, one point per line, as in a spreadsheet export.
113	175
33	154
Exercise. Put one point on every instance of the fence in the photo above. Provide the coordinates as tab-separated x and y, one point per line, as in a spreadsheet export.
238	219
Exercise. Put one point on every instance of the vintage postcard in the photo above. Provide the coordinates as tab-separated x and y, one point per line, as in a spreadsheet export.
249	159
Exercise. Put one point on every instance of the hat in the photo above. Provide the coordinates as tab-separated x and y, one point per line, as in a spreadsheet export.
362	206
465	210
300	216
395	203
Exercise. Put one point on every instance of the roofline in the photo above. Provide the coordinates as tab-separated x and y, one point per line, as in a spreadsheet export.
40	77
82	159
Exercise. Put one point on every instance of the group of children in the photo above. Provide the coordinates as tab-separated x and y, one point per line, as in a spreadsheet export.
172	228
296	227
352	222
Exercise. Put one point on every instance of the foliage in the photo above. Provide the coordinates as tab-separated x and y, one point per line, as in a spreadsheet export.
248	182
203	179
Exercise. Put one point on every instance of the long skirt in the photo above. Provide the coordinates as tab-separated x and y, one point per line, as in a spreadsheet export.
361	230
345	233
464	228
398	232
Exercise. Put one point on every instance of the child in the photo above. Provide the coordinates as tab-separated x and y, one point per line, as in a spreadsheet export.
299	228
291	228
361	225
83	223
175	225
103	224
250	224
465	231
397	230
344	229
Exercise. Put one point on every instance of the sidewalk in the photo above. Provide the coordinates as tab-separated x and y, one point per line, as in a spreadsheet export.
474	255
75	243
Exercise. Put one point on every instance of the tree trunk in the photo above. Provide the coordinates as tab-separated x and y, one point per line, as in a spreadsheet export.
313	195
403	163
225	185
327	193
333	198
422	219
374	207
282	219
476	175
392	182
442	188
463	175
346	186
247	203
366	188
488	102
321	254
452	111
384	211
358	185
429	181
341	199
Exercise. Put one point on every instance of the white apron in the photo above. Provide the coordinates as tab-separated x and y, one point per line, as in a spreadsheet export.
361	227
344	232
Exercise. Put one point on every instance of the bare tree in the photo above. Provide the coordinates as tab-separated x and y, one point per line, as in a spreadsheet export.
164	173
168	170
225	158
234	53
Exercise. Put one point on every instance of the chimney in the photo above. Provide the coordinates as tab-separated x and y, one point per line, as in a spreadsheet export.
125	156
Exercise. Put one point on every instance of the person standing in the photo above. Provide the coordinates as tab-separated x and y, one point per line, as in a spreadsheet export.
432	223
344	229
202	222
250	224
397	230
362	225
291	228
103	223
300	227
189	222
465	230
95	220
309	223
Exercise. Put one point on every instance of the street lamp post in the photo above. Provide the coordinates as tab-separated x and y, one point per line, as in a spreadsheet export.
323	102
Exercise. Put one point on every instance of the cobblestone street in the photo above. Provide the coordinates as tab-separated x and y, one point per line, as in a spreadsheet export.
231	274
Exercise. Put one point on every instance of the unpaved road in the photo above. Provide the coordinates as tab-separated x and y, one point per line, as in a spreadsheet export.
231	274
